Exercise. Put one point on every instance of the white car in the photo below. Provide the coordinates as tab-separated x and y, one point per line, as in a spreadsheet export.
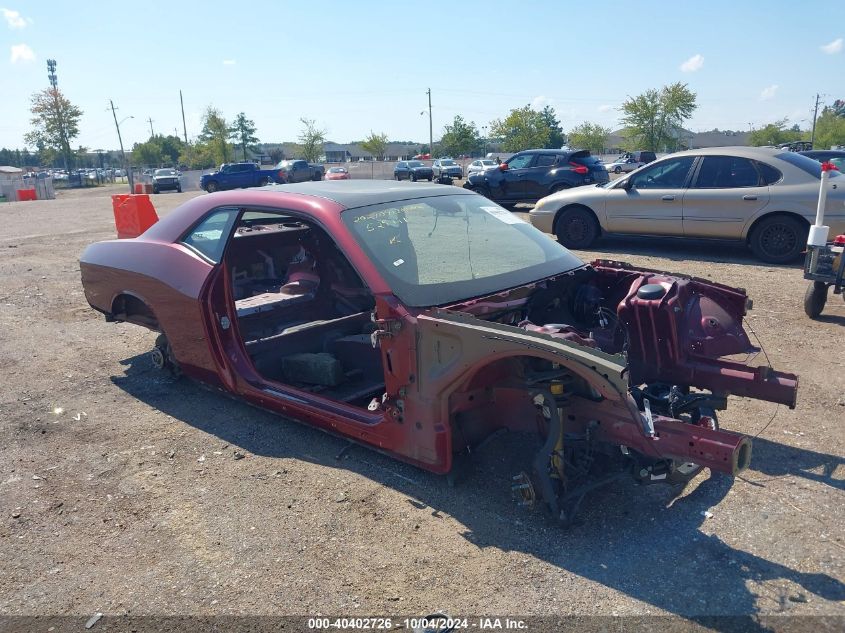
624	165
479	165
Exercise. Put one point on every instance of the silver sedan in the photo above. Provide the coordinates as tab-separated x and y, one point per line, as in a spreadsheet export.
763	197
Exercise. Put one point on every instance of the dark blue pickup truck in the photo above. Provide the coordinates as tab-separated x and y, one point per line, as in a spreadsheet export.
240	175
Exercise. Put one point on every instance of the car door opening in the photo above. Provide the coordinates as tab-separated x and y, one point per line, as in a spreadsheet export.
303	313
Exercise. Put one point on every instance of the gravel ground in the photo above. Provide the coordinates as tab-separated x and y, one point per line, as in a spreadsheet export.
125	492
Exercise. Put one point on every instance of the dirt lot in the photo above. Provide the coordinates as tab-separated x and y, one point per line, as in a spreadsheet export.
120	490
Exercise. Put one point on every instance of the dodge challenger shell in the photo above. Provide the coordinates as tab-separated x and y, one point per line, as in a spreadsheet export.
420	319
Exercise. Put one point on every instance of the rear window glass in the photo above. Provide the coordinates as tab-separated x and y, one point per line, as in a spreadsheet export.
584	159
210	235
805	164
770	174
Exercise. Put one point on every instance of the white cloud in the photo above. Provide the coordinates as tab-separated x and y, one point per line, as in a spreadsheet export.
14	19
769	92
693	63
229	62
21	53
605	108
539	102
834	47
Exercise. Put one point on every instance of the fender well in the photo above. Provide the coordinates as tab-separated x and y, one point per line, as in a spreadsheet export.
132	309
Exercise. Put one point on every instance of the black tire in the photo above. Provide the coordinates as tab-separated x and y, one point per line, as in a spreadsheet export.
577	227
429	180
413	177
155	189
778	239
617	170
179	189
815	298
265	181
211	187
481	191
398	177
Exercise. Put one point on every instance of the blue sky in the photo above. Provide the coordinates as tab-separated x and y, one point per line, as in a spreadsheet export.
362	65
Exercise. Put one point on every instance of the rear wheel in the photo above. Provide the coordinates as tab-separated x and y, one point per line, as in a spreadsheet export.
265	181
162	357
617	170
815	298
414	177
211	187
577	227
778	239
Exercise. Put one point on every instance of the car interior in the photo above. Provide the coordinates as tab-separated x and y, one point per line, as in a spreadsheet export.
303	312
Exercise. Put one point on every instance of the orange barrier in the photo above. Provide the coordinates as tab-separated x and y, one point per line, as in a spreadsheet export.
148	188
139	187
26	194
133	214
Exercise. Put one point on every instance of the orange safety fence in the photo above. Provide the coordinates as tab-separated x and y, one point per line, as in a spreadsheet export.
26	194
133	214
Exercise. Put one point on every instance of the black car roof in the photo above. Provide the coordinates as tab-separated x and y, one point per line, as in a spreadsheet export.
362	193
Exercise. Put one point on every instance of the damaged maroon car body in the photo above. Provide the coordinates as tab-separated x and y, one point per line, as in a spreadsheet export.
419	320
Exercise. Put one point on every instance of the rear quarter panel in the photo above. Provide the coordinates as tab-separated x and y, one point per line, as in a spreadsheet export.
169	279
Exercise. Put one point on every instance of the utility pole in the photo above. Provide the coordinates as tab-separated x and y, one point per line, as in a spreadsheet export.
815	115
430	128
122	153
184	127
150	121
54	83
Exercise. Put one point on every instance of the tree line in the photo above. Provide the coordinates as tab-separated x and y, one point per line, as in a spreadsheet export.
652	121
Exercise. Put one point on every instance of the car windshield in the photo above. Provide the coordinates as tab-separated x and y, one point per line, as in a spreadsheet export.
448	163
488	163
415	163
337	170
165	172
443	249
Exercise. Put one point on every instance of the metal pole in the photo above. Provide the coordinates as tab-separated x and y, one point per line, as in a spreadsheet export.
150	121
122	153
815	115
184	127
430	128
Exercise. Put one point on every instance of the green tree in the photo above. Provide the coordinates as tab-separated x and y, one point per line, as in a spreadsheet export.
773	134
591	136
215	136
375	144
55	123
830	129
148	153
555	140
523	128
653	119
459	137
159	150
311	138
243	133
